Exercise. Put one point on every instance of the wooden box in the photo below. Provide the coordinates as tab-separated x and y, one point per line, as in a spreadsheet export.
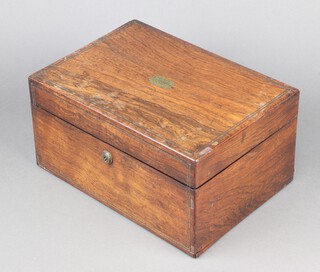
181	141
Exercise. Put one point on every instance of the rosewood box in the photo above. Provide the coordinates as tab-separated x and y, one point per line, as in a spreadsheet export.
179	140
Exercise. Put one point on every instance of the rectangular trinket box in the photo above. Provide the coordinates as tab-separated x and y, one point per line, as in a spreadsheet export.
179	140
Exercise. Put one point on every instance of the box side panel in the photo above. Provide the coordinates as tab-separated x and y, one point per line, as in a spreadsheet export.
246	136
245	185
132	188
169	164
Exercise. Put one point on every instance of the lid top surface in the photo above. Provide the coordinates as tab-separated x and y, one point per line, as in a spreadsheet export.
167	90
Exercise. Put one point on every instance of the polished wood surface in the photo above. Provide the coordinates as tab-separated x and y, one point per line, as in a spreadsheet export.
198	142
248	136
132	188
205	111
189	219
249	182
112	134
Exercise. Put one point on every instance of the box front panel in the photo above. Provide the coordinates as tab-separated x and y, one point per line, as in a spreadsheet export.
127	185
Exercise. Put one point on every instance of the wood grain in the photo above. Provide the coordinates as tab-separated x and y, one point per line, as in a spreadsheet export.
190	160
189	219
240	189
212	100
130	187
247	136
113	134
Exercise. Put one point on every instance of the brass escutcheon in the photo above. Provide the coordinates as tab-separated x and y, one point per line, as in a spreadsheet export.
106	157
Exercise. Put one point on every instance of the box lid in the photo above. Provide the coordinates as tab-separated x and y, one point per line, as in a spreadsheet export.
186	112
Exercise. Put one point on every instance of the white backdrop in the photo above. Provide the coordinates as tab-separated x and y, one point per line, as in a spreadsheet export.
47	225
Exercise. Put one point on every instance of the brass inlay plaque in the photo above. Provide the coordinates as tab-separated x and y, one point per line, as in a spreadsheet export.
161	82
